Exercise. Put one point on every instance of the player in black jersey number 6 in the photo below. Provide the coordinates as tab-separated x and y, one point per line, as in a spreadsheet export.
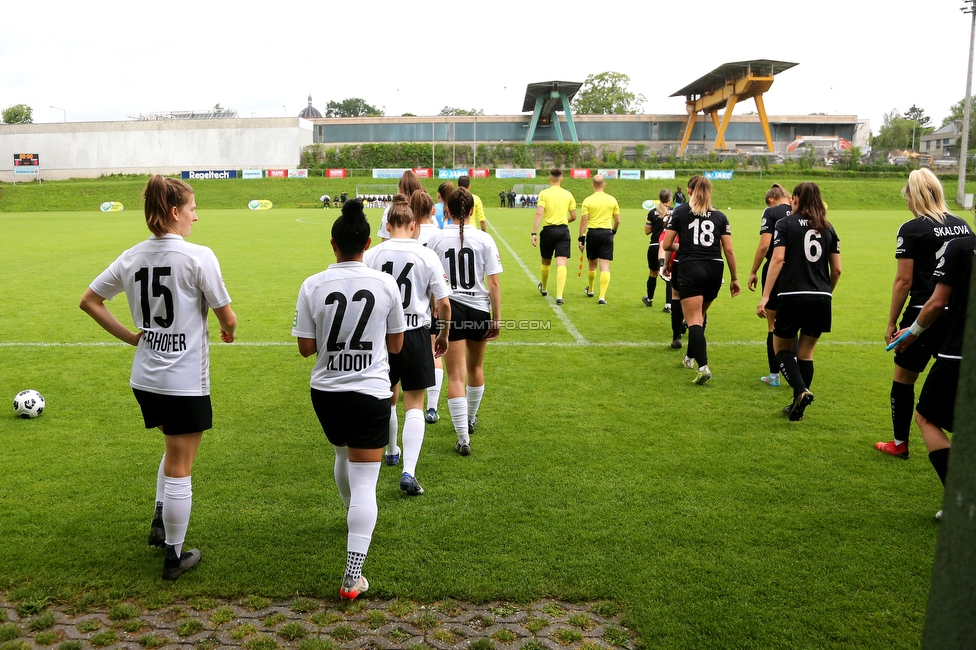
806	264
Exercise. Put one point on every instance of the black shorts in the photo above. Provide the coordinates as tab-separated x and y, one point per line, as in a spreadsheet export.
807	313
554	239
176	414
698	278
773	303
926	346
937	401
353	419
468	323
413	366
652	263
599	244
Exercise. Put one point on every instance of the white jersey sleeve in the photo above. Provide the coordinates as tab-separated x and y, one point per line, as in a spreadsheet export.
384	231
418	275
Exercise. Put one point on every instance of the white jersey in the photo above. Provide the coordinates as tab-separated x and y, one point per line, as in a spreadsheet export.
170	284
418	274
349	309
468	266
427	230
384	231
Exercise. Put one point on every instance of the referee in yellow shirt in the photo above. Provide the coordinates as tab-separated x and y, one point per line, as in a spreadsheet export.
557	209
598	225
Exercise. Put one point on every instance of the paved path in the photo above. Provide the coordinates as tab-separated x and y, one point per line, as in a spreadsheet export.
255	623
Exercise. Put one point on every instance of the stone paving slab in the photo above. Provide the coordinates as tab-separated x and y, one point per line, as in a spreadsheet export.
315	624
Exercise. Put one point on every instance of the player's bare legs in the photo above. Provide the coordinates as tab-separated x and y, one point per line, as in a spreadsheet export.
456	365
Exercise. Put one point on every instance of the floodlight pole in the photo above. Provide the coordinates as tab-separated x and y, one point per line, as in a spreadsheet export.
970	8
58	108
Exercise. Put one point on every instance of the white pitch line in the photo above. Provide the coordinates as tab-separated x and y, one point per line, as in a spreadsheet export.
530	344
568	324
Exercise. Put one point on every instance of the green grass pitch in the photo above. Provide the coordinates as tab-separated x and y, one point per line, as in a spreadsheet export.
598	471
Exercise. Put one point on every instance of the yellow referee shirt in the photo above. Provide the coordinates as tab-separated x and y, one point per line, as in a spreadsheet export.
556	204
601	208
479	208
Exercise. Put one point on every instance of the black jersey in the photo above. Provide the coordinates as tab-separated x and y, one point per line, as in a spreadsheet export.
656	222
770	216
954	268
806	268
701	236
921	240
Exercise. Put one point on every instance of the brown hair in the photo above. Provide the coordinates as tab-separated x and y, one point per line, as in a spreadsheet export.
555	173
409	183
421	205
445	189
701	195
460	205
400	215
776	193
664	196
161	196
464	181
810	202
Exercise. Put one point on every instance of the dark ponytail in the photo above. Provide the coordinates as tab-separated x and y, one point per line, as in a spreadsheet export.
810	203
161	196
460	205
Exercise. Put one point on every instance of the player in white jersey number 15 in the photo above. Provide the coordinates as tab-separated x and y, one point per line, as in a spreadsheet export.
170	285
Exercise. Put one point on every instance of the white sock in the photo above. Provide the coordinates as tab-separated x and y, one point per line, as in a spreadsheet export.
160	481
434	392
703	368
774	376
392	447
177	500
458	406
341	473
361	518
474	395
413	439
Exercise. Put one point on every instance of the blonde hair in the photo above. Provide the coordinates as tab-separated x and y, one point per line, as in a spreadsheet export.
161	196
925	195
776	193
701	195
421	205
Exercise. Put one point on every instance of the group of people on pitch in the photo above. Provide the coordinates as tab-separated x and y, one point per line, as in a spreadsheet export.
375	319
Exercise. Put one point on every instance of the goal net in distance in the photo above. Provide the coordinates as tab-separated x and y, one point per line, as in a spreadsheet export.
376	190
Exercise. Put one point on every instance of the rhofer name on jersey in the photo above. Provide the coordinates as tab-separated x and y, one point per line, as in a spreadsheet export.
165	342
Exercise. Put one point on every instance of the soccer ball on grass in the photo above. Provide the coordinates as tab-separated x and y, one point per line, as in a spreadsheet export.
28	404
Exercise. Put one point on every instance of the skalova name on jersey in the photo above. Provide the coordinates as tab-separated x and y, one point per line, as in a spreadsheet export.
163	342
951	231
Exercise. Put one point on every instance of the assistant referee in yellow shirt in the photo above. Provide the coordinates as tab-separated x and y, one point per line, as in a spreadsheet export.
557	209
598	225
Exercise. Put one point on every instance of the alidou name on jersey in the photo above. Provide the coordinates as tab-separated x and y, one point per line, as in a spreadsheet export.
951	231
161	342
349	361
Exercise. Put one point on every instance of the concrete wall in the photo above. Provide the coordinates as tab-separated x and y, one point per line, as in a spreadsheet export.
91	149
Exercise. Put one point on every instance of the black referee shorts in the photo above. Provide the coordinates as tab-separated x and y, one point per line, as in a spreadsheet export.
176	414
413	366
698	278
926	346
599	244
554	240
806	313
352	419
937	401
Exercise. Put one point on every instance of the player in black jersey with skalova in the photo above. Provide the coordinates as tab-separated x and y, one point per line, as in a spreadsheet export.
920	242
936	404
697	267
806	264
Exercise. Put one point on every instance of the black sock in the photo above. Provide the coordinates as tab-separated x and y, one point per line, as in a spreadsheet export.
651	286
771	355
902	409
677	316
787	365
940	461
796	346
697	349
806	371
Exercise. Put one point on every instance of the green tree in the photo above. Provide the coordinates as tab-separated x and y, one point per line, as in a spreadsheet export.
895	133
18	114
351	107
921	124
450	110
607	93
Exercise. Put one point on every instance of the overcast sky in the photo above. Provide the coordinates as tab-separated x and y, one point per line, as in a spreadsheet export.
101	60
